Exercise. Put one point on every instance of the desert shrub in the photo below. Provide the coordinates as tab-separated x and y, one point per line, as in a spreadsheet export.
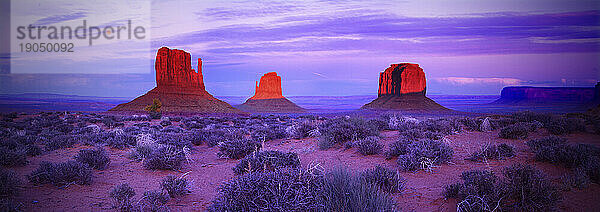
13	157
154	201
561	125
60	142
60	174
267	133
556	124
33	150
298	191
9	184
165	158
412	134
517	131
236	149
95	158
379	123
175	186
479	191
196	137
120	140
441	126
165	123
472	124
266	161
528	189
344	192
399	147
301	129
383	178
425	154
340	130
584	158
493	152
369	145
144	147
121	196
522	188
10	205
173	139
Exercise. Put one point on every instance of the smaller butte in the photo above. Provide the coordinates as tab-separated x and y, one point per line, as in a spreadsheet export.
268	97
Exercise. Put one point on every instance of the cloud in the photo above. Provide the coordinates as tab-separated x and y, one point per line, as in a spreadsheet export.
364	31
475	80
59	18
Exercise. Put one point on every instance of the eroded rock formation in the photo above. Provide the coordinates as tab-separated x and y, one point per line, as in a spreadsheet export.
268	97
402	87
400	79
269	87
178	87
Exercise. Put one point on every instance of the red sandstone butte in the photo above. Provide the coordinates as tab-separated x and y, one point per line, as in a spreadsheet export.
179	88
268	97
402	78
173	68
269	87
402	87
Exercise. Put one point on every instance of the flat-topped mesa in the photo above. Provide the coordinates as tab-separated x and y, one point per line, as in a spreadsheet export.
269	87
402	79
174	69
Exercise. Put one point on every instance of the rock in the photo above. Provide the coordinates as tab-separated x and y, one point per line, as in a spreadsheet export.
179	88
269	87
268	97
174	68
486	126
401	79
402	87
543	95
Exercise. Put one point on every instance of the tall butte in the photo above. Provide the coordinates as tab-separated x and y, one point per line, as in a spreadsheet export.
178	87
268	97
402	87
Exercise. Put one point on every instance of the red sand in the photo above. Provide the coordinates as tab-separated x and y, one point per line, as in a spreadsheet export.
423	190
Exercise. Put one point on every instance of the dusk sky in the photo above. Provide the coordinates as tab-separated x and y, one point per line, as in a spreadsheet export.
320	48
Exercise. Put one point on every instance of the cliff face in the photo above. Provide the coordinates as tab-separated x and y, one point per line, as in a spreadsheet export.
178	87
268	97
269	87
401	79
546	94
173	68
402	87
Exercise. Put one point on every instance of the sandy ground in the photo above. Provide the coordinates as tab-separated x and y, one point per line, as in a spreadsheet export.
423	190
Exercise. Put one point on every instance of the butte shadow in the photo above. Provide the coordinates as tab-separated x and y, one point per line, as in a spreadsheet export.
268	97
402	87
179	88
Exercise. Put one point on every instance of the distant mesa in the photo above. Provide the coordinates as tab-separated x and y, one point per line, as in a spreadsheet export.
524	95
178	87
402	87
268	97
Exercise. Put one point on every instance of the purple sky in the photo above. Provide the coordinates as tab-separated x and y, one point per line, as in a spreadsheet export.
339	47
